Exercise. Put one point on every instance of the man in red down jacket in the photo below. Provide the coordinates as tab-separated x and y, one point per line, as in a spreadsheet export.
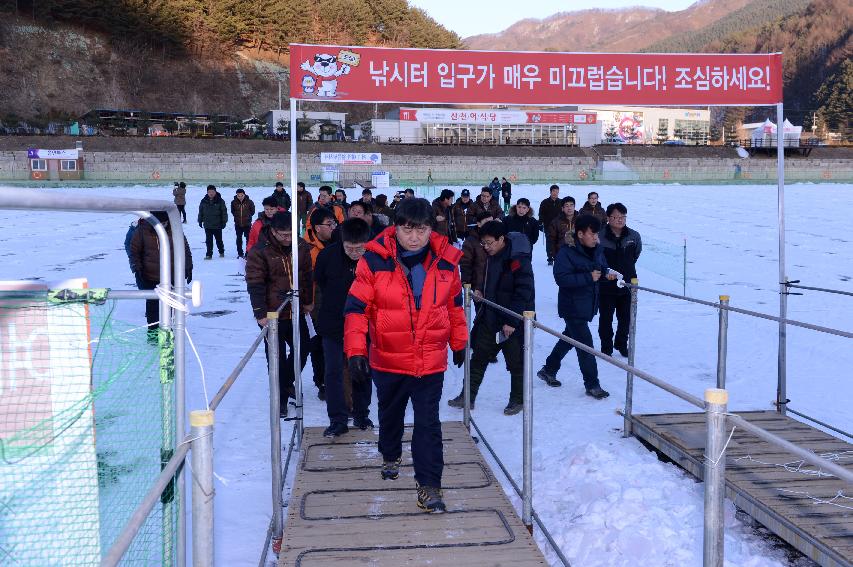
408	296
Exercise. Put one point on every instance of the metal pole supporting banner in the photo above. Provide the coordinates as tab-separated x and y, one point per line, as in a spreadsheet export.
632	349
722	342
716	403
295	304
275	420
684	268
466	369
782	387
201	433
527	464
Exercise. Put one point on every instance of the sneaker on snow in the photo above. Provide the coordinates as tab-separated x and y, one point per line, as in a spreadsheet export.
362	423
430	499
597	393
549	378
607	350
513	408
335	430
623	351
222	254
321	393
459	401
208	257
391	469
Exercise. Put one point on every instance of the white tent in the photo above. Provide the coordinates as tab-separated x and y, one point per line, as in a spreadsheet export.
764	134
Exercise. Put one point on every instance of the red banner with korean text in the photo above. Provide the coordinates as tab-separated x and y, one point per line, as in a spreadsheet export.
379	74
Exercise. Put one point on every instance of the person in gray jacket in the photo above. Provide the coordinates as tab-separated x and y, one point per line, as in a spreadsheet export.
180	193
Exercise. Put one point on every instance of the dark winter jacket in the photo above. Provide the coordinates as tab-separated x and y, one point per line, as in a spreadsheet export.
561	231
180	194
472	266
333	276
243	211
145	254
304	200
493	207
506	190
509	283
549	209
213	214
405	339
445	227
578	295
463	216
269	272
598	212
495	188
621	254
282	199
526	225
309	249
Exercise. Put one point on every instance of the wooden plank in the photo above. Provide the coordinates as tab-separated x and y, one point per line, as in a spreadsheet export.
342	513
820	530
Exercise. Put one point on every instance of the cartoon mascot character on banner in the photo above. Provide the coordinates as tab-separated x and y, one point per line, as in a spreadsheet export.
325	67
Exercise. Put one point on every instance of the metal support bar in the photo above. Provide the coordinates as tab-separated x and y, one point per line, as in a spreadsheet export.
140	515
295	303
466	369
822	289
527	434
632	350
201	432
214	403
782	364
275	420
722	342
716	401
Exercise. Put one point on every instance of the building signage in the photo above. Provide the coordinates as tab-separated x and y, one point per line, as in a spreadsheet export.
379	74
503	117
351	158
52	154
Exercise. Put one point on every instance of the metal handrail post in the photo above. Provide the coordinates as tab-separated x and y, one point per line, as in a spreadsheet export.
527	435
466	368
295	304
632	349
782	362
201	432
275	420
716	403
722	342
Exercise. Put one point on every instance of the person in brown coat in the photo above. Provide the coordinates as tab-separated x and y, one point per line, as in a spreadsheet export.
463	214
242	209
472	266
180	193
485	202
594	208
145	263
269	277
549	209
304	200
562	229
444	224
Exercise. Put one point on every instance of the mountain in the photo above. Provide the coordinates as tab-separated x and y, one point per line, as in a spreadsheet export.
622	30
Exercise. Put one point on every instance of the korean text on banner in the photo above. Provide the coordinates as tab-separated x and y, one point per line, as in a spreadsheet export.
378	74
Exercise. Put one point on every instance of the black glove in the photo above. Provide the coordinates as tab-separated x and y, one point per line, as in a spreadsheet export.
359	369
459	358
200	225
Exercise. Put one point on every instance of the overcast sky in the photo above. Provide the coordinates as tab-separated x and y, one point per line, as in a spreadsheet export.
472	17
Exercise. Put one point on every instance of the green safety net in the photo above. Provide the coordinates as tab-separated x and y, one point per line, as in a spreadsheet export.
86	421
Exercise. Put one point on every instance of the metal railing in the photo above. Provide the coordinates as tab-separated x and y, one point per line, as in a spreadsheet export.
714	404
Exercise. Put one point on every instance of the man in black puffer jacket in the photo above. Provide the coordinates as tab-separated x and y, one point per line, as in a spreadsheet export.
212	217
521	219
577	271
509	283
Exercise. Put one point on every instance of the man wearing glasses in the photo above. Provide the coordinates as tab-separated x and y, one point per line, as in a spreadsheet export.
407	295
622	247
509	283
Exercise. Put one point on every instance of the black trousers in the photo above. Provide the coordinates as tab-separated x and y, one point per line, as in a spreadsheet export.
393	392
314	347
242	232
333	351
286	375
621	305
183	210
209	235
577	329
485	347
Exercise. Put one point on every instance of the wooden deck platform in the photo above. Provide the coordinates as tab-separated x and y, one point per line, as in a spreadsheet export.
342	513
780	497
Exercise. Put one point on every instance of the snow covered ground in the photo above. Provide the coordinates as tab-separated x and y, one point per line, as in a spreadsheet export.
607	500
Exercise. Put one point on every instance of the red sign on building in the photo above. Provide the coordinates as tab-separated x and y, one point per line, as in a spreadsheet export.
378	74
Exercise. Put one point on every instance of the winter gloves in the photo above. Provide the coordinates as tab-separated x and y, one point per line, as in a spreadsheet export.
359	369
459	358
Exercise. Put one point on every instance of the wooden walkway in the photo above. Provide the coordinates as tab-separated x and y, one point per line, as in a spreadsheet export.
342	513
780	497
